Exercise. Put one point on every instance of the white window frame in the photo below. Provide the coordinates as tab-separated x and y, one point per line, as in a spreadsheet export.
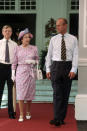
5	5
25	5
17	9
70	11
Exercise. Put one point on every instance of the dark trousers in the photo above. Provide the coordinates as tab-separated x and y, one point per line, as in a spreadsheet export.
5	76
61	84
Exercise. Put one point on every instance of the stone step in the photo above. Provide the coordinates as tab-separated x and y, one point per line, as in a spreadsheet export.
46	86
44	92
41	99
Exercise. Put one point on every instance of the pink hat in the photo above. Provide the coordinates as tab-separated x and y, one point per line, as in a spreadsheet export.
22	33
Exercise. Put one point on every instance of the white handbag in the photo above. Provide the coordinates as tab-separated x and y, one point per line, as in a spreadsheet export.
30	61
39	75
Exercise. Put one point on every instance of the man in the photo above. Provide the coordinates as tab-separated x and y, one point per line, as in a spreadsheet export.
6	57
61	68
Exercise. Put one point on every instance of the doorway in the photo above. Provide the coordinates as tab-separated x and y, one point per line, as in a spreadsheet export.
19	22
74	22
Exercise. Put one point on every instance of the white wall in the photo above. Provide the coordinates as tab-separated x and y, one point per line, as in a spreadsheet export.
82	88
81	98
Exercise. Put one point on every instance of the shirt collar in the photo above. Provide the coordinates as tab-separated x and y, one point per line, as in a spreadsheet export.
5	39
64	34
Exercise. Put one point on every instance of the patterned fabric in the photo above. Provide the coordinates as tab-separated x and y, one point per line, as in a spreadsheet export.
63	49
7	59
25	73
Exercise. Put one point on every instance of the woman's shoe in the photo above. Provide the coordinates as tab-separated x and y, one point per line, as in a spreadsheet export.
28	116
21	119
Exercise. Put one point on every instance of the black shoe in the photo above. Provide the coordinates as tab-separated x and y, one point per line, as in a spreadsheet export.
57	123
52	122
11	116
62	122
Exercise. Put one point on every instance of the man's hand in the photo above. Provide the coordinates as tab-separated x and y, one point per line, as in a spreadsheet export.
48	75
71	75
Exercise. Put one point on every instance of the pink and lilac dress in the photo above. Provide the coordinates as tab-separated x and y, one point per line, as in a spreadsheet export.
25	73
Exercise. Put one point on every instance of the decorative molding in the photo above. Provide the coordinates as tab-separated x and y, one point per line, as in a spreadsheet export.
82	62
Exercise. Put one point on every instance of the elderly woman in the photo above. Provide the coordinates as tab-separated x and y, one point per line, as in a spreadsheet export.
25	59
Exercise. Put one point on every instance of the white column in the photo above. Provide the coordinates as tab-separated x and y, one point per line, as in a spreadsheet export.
81	98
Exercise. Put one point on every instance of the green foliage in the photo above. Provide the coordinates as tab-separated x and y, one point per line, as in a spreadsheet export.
50	30
50	27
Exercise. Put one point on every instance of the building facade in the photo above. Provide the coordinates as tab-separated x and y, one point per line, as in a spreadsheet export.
35	14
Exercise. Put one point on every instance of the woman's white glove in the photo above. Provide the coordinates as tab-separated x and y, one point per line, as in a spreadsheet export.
13	75
30	62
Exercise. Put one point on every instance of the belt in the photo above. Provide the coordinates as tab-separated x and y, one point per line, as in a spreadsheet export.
5	65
